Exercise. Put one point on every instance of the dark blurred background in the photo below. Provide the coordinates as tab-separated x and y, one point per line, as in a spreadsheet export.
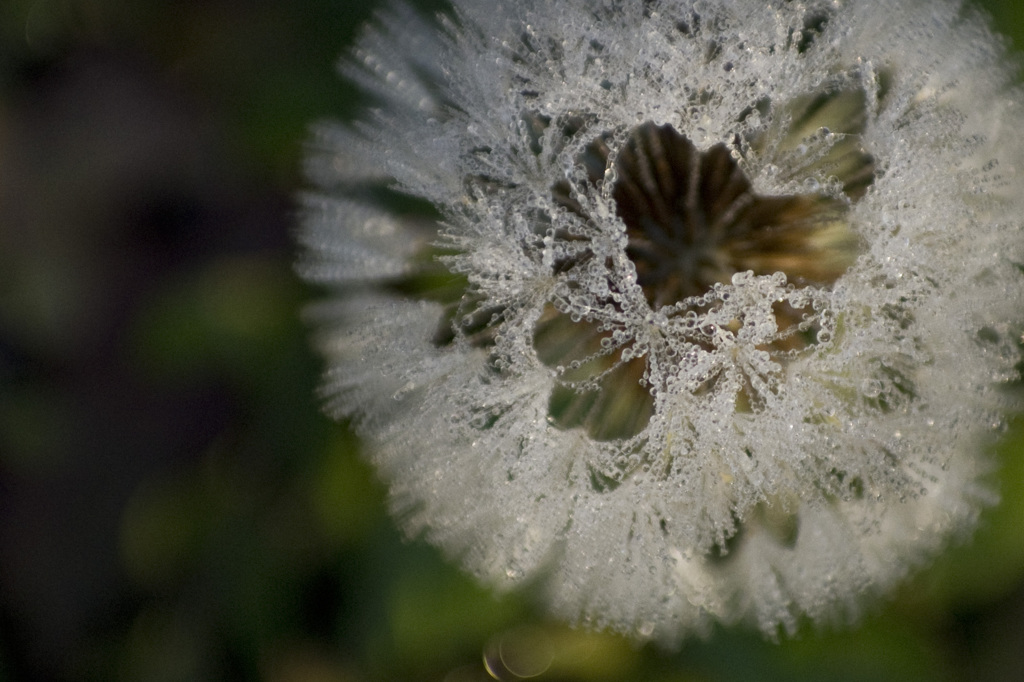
172	504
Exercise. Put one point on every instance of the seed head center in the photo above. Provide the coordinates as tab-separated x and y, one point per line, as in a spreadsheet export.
692	220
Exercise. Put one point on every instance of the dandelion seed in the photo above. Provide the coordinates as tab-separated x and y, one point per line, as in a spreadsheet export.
685	310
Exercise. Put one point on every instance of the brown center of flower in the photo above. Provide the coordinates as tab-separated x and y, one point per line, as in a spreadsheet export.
692	220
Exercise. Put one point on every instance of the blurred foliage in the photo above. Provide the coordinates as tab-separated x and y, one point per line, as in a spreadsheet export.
172	504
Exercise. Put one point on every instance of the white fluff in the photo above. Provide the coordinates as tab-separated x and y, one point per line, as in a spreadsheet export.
462	433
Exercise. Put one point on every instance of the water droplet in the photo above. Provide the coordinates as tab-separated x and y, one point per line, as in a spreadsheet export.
645	629
404	391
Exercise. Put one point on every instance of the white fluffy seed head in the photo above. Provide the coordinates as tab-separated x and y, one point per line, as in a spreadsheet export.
773	444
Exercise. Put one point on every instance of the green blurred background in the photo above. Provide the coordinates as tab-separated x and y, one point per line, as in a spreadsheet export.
172	504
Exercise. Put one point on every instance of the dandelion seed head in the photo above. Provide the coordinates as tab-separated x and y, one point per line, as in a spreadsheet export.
690	310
